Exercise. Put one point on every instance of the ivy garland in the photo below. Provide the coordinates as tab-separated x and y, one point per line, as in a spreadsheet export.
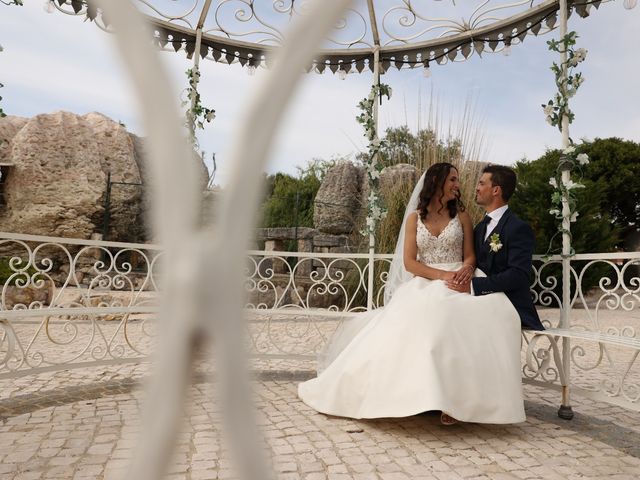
558	107
375	211
197	114
555	110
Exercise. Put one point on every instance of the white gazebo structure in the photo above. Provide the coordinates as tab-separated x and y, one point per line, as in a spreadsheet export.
370	35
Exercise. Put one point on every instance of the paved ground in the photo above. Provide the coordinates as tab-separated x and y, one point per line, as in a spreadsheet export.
84	423
89	430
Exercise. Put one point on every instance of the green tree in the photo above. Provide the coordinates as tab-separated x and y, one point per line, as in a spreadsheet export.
594	229
289	199
421	149
615	163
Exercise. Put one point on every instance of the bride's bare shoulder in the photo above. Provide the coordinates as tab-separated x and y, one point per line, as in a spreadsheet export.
465	218
412	218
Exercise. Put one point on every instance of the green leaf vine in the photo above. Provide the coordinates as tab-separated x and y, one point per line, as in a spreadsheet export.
373	166
196	114
555	109
568	85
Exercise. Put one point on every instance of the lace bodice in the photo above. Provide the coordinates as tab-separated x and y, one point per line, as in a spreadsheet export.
445	248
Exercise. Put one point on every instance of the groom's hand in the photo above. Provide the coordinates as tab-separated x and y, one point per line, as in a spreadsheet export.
464	274
460	287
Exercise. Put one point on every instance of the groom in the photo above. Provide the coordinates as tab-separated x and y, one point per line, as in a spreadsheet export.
504	246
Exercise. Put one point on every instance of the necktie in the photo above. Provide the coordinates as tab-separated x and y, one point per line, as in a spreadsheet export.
484	224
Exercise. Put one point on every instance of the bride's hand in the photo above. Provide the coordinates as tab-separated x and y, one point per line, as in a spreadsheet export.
447	276
463	275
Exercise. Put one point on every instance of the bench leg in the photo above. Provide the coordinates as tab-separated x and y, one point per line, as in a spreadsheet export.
565	411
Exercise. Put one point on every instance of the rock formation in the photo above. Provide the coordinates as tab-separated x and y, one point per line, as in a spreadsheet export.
339	199
55	171
341	202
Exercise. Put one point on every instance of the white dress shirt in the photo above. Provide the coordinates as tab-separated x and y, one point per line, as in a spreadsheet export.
496	215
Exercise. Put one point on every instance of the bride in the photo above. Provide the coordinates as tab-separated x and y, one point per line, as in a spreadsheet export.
430	347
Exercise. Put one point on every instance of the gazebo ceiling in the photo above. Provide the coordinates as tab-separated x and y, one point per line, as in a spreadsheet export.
407	33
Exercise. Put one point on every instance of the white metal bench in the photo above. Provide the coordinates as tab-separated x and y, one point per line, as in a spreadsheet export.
538	359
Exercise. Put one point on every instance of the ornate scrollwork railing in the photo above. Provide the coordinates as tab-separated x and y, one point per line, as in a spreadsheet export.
67	303
70	302
604	318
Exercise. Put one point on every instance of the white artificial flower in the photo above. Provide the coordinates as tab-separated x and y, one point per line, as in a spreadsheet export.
495	243
376	211
370	223
210	116
374	174
553	182
580	54
569	150
548	110
373	197
574	217
570	184
554	211
583	158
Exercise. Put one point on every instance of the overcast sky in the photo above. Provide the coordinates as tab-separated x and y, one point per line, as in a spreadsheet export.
57	62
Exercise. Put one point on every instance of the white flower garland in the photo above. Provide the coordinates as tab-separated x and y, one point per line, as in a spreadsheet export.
567	85
373	166
196	115
555	110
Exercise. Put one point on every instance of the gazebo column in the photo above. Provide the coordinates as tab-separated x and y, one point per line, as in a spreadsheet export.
372	238
565	410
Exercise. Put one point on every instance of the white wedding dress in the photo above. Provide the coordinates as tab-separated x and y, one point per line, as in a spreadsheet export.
429	348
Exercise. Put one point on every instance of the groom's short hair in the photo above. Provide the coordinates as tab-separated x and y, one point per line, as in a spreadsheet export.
503	177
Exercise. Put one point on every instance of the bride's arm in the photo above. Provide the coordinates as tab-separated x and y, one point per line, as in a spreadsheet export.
465	273
410	254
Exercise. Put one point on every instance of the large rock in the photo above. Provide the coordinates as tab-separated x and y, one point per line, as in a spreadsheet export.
338	203
402	174
9	127
118	158
57	183
341	202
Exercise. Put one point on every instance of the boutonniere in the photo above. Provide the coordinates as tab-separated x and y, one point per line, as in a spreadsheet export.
495	243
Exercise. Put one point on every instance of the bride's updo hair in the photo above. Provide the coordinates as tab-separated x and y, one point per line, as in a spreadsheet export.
434	181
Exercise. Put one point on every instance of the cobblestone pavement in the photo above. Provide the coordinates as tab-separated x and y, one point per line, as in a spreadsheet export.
90	430
84	423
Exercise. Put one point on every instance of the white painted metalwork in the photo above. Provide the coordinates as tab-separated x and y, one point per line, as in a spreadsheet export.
104	304
410	33
202	277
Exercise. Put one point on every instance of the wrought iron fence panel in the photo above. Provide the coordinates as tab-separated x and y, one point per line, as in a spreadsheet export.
66	303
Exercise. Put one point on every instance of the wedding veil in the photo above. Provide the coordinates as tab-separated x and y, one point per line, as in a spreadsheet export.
350	327
397	273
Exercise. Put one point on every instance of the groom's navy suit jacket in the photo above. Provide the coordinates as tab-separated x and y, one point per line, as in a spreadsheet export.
508	270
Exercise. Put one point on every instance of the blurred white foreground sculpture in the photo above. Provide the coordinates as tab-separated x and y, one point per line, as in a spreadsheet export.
203	294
